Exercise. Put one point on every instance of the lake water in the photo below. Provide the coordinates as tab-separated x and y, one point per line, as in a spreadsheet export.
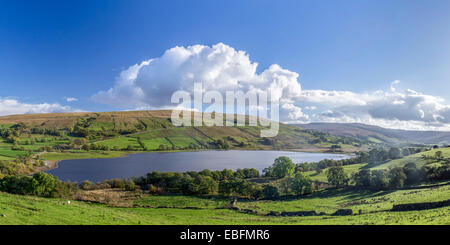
140	164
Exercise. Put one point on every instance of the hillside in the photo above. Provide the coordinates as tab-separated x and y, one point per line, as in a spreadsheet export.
369	207
146	131
377	134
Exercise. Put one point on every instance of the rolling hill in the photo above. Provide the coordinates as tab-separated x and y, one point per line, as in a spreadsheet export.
153	130
380	135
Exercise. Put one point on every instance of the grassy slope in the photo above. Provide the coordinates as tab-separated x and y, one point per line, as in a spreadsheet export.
34	210
368	201
154	129
415	158
322	177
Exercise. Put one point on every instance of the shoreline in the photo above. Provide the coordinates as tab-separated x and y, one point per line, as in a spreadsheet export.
49	164
53	164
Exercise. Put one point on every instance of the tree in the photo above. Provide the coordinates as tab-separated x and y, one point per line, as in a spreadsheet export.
301	184
396	178
378	155
129	185
79	141
413	174
225	188
379	179
86	147
406	152
438	155
227	174
86	185
362	178
141	143
282	167
337	176
335	148
222	144
394	153
44	184
271	192
285	185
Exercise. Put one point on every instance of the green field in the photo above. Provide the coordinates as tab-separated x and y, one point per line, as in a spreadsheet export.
415	158
11	153
121	130
121	142
36	137
329	201
15	209
54	156
179	201
322	176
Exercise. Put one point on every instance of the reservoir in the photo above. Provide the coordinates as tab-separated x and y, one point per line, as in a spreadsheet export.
140	164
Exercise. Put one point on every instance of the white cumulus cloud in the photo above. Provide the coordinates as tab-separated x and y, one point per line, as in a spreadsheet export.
13	106
404	110
151	83
220	67
71	99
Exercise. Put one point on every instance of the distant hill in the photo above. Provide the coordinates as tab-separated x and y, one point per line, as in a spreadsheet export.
152	130
377	134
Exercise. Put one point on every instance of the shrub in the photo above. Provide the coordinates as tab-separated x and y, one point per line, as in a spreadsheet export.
301	184
129	185
396	178
379	179
86	185
41	184
281	168
337	176
271	192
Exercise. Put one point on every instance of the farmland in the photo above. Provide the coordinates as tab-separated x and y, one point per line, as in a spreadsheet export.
240	196
177	209
118	130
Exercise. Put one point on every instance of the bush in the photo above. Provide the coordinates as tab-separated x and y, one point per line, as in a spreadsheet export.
379	179
116	183
154	190
337	176
271	192
16	184
396	178
301	184
86	185
41	184
129	185
281	168
438	173
413	174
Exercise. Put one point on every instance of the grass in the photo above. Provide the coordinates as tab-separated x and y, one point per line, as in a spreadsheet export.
322	176
155	129
11	153
6	158
367	201
445	152
153	144
121	142
179	201
54	156
15	209
415	158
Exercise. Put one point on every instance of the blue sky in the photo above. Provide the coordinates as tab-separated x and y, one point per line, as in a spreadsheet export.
52	50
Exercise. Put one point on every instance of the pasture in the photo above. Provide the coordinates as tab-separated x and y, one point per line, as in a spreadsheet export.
177	209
